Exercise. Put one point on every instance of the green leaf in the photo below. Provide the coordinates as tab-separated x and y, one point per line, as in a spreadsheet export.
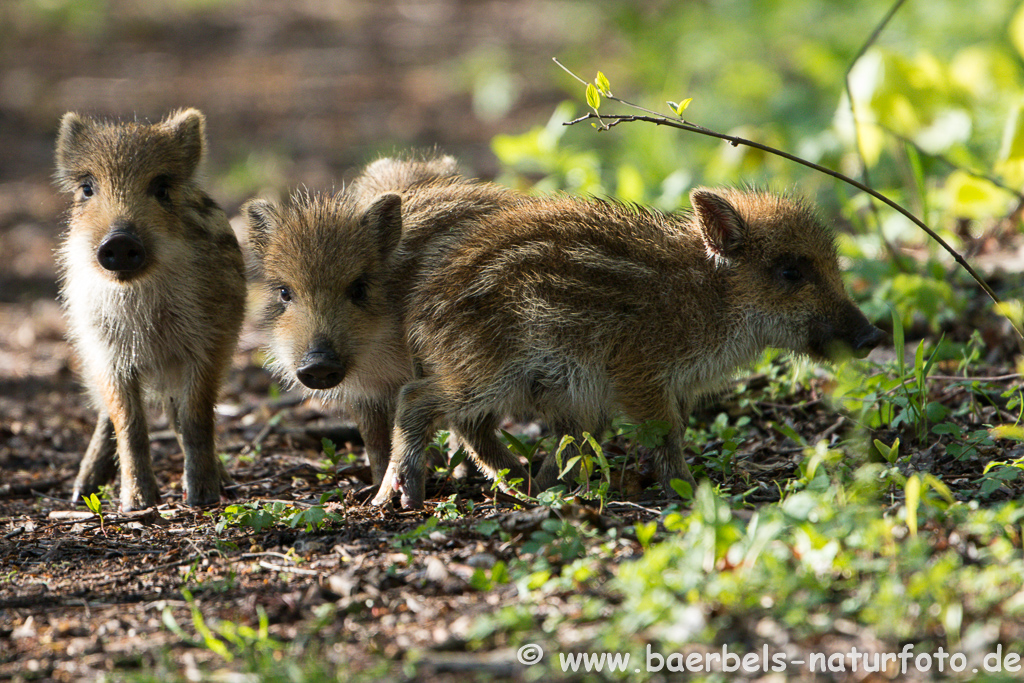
936	412
602	84
919	364
172	625
517	446
566	441
789	432
595	447
1007	431
569	464
593	97
947	428
931	359
1013	310
939	487
645	532
890	453
315	517
479	581
499	573
898	340
920	181
912	491
682	488
679	107
487	527
457	458
329	448
1016	30
652	433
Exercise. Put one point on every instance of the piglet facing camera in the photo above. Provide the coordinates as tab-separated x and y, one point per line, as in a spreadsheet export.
153	286
336	270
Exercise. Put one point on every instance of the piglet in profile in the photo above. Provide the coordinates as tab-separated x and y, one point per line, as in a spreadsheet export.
573	310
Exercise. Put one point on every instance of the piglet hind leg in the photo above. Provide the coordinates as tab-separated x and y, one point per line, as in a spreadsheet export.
99	466
646	403
193	421
416	416
491	456
670	462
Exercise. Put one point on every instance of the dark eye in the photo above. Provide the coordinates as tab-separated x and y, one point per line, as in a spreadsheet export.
285	294
792	274
86	189
358	291
160	188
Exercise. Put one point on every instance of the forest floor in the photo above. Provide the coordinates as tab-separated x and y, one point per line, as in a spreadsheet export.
82	594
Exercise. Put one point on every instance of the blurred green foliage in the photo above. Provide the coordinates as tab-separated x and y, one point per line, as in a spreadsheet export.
946	75
798	567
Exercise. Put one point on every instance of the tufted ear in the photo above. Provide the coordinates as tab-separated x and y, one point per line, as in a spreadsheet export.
72	137
188	128
261	218
721	226
385	217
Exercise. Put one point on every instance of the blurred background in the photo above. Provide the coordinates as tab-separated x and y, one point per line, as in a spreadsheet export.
305	92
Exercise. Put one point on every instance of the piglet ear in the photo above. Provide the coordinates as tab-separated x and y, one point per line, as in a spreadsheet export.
261	217
72	138
721	226
385	217
188	126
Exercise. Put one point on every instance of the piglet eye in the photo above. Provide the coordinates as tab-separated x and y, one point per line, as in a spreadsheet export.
285	294
358	292
160	188
792	274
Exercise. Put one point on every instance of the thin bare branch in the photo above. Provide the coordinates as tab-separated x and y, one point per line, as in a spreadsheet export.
611	97
865	173
615	119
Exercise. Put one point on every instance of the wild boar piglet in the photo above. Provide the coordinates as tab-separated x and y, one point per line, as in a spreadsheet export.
153	286
335	270
573	310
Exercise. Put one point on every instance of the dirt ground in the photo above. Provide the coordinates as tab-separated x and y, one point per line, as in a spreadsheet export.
302	92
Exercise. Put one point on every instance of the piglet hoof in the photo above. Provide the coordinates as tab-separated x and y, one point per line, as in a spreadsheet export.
382	499
133	501
201	495
388	487
410	499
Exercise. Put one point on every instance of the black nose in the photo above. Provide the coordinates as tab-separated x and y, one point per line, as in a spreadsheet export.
868	339
321	369
121	252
